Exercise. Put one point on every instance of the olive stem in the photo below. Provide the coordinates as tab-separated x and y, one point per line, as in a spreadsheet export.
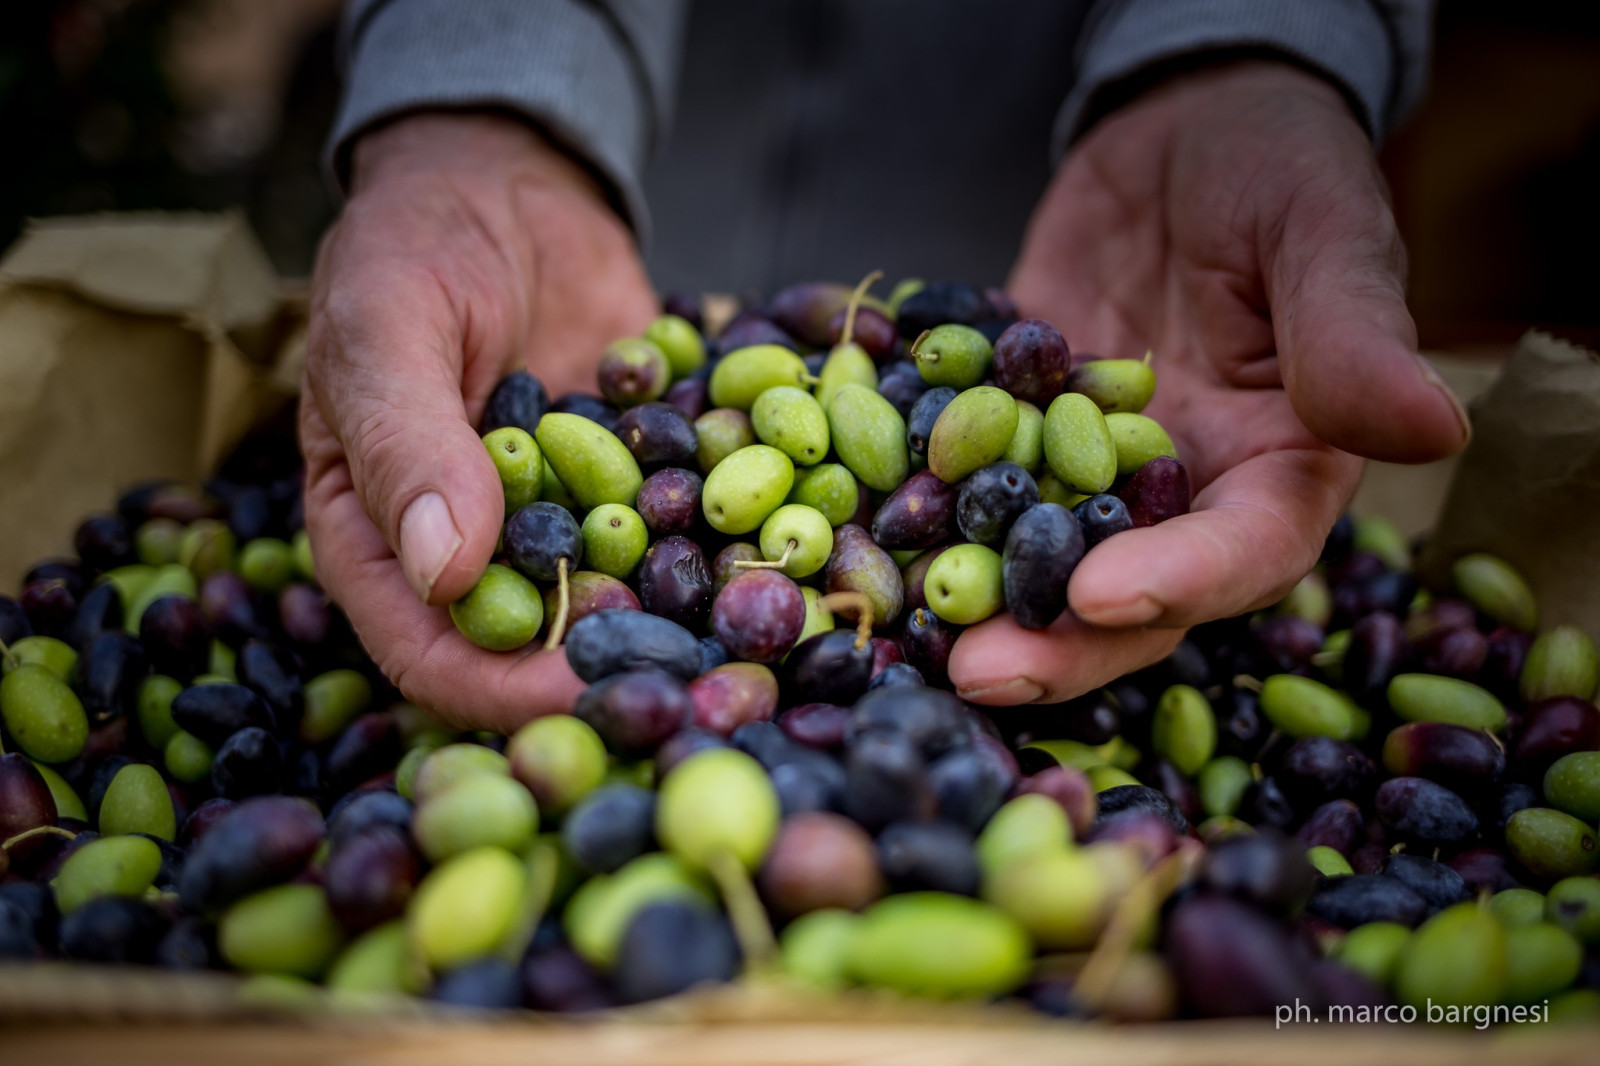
767	564
855	304
558	624
750	924
38	831
1245	681
1129	918
861	604
1148	354
10	659
916	349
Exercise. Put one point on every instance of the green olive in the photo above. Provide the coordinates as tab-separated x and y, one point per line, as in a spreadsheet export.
1573	903
953	355
746	487
1551	843
599	911
109	866
1562	662
1029	825
816	948
454	763
172	579
375	963
1184	730
207	546
847	364
1222	784
792	421
502	612
466	907
721	432
268	564
588	459
560	759
68	805
938	945
1137	440
614	539
42	714
718	801
1457	957
1060	896
680	342
1078	444
54	655
1328	862
1374	949
519	463
744	374
1301	707
963	585
1572	784
973	430
287	930
806	529
829	488
137	801
869	436
1115	385
1027	443
187	757
1517	906
478	811
1491	585
333	701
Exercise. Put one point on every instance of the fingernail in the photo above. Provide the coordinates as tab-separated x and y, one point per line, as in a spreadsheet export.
1017	690
428	541
1431	376
1137	612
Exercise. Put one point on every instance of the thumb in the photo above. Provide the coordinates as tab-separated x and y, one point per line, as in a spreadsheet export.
388	382
1346	343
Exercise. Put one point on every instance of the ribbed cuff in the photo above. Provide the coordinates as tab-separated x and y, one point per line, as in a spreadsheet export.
560	63
1348	41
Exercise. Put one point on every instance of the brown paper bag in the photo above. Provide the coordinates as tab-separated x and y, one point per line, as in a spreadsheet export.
131	347
1528	486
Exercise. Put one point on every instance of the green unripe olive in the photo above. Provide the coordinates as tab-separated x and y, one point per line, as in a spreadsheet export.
1430	698
137	801
829	488
806	529
207	545
1572	784
847	364
816	948
973	430
953	355
589	460
405	774
519	463
287	929
1541	960
129	581
1137	440
1053	490
1061	897
1562	662
1374	949
1222	784
746	487
1576	1006
68	805
1328	862
722	431
1222	826
42	714
941	946
963	585
1517	906
109	866
1378	536
305	563
1029	825
818	618
267	563
54	655
560	759
1115	385
502	612
157	542
1573	903
792	421
1078	444
1184	729
1551	843
1027	442
680	342
869	436
187	757
1302	707
454	763
744	374
466	907
553	491
1104	776
1457	957
1491	585
375	963
485	810
599	911
715	802
614	539
223	662
334	700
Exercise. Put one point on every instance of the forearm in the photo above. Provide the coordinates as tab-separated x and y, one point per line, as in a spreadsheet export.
596	78
1374	51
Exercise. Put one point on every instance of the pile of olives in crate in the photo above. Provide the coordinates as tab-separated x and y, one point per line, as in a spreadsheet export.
756	549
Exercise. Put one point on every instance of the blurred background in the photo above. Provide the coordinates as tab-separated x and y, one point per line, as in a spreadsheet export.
209	104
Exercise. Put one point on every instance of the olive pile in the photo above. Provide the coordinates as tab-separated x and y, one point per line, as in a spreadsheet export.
1368	795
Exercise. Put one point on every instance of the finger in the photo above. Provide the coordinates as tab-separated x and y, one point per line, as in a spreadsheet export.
385	369
1346	343
1001	664
416	646
1254	532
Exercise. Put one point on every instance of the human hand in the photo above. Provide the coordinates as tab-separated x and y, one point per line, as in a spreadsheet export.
1234	222
469	247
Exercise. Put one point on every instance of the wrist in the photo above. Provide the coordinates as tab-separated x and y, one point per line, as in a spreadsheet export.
470	144
1215	76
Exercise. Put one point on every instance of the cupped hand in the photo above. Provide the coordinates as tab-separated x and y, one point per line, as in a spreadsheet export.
1233	222
469	247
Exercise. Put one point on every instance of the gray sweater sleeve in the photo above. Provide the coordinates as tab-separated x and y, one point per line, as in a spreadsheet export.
1375	50
598	76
